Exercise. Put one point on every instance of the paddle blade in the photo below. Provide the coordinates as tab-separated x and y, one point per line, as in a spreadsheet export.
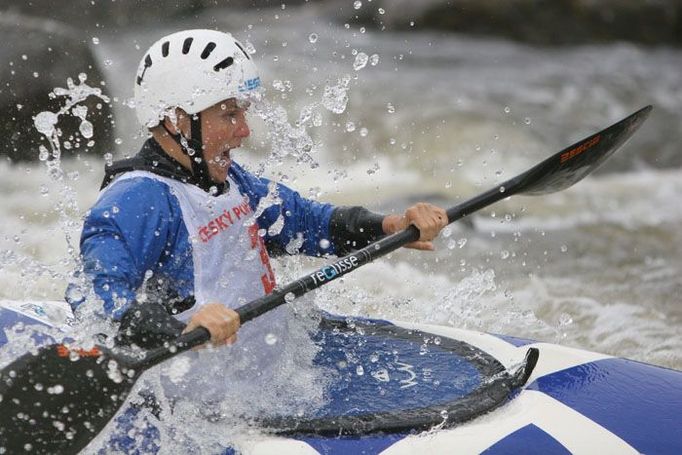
572	164
57	400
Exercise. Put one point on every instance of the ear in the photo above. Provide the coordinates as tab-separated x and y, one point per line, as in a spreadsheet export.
177	122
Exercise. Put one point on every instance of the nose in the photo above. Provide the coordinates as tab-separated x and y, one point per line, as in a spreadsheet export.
242	127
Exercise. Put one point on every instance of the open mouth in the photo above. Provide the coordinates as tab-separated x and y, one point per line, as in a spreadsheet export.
223	158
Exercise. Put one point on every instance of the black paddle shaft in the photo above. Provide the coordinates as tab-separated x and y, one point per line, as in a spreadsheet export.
58	399
553	174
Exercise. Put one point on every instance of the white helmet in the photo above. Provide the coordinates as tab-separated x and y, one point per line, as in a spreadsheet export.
192	70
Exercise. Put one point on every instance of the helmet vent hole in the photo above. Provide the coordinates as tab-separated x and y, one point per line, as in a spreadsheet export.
207	51
164	49
147	64
242	49
186	45
224	64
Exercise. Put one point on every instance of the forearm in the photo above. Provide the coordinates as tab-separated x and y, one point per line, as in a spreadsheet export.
352	228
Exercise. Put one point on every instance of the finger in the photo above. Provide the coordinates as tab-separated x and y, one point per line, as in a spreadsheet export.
442	217
191	325
421	245
429	227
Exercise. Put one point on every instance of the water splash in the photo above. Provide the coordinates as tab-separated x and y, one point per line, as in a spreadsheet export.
335	97
66	206
286	140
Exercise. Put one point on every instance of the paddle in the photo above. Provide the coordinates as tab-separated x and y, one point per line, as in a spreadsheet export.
59	399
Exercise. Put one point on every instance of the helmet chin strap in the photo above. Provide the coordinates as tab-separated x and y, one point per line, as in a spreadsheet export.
193	147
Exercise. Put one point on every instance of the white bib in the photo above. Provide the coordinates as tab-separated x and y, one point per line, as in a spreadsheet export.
231	266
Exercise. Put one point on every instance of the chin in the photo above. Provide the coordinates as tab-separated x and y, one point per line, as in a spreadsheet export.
219	173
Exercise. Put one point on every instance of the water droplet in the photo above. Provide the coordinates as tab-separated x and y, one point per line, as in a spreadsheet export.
363	132
360	61
289	297
507	109
390	108
527	120
44	190
381	11
38	387
86	129
95	40
250	48
502	189
45	122
359	370
56	389
504	254
350	126
357	4
312	38
564	248
324	244
74	294
118	141
374	59
565	319
270	339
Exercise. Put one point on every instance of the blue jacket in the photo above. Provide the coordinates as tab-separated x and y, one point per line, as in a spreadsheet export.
135	230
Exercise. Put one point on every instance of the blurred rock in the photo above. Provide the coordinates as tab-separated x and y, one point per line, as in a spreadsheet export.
90	16
42	55
543	22
551	22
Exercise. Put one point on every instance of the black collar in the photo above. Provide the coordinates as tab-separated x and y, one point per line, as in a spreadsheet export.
154	159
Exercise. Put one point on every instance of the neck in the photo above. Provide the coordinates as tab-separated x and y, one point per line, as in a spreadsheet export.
171	147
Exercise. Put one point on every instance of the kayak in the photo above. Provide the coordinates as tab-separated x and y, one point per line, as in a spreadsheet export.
406	388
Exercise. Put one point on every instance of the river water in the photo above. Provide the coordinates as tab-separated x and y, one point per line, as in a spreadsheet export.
385	119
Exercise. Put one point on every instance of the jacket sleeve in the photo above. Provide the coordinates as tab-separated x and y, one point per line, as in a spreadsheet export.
124	237
294	224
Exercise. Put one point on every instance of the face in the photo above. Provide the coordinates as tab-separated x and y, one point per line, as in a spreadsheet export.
223	127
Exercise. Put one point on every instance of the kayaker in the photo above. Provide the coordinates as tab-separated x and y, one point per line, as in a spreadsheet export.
180	232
